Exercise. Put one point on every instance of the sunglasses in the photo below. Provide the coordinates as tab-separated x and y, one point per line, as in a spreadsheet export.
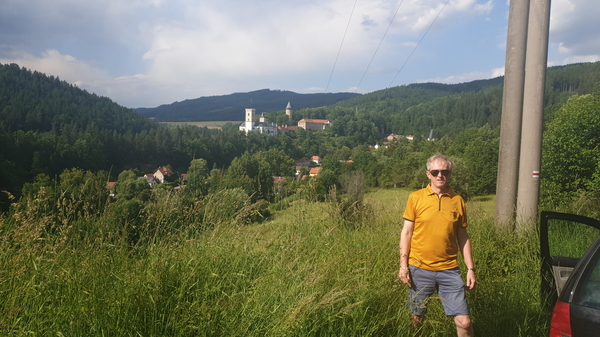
435	173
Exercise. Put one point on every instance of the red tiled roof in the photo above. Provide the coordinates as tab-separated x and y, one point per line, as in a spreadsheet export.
288	128
164	170
315	170
322	121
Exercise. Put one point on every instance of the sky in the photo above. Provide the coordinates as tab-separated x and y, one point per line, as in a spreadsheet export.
144	53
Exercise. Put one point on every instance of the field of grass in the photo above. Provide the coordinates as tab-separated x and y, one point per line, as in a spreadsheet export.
208	124
303	272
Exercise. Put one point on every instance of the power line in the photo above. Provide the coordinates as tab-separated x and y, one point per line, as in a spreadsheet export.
340	50
413	51
380	42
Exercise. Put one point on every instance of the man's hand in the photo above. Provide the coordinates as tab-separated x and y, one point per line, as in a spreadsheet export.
471	279
404	276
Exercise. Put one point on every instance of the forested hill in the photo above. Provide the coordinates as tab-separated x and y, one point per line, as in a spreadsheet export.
561	82
33	101
448	109
231	107
48	125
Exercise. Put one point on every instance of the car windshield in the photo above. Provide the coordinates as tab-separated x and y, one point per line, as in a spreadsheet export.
588	290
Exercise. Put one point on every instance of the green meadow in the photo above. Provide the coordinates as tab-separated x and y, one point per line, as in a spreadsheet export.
208	124
304	271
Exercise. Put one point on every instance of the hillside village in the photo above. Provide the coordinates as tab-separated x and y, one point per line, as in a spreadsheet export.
46	133
305	166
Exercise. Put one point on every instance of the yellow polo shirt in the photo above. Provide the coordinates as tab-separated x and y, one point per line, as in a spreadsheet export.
434	245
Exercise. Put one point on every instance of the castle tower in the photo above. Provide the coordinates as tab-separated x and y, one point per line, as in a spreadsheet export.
262	118
288	111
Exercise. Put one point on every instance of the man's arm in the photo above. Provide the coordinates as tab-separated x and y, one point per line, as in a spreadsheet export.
464	243
405	239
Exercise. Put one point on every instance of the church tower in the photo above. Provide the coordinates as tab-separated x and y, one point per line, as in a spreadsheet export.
288	111
249	119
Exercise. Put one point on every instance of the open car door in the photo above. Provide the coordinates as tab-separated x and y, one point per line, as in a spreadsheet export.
564	238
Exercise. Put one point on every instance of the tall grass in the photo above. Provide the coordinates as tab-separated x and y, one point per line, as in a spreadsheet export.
303	272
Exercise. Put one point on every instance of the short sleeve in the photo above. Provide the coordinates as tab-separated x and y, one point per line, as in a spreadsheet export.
409	211
463	211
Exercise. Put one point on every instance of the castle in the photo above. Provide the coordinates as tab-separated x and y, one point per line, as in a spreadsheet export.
262	126
270	129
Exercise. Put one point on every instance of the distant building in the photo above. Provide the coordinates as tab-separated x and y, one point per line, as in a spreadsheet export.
392	137
286	129
314	124
251	125
161	174
304	161
150	179
431	135
315	171
110	185
288	111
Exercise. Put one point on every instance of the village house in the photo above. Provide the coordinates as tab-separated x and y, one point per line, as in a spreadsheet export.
314	124
150	179
110	185
286	129
303	162
392	137
314	171
162	173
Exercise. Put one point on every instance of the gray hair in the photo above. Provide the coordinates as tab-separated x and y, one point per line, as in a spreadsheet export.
442	157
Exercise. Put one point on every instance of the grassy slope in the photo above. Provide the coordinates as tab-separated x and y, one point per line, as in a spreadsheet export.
302	273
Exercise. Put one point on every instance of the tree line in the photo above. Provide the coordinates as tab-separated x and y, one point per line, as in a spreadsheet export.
48	127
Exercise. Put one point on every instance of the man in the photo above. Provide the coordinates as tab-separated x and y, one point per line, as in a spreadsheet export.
435	222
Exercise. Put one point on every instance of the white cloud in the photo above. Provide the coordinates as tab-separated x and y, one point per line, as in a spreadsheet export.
498	72
575	28
575	59
67	67
214	42
467	77
146	53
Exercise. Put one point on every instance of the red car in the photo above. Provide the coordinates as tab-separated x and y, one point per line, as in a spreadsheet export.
574	282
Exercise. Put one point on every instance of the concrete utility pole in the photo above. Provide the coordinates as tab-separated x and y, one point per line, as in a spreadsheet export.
533	114
512	105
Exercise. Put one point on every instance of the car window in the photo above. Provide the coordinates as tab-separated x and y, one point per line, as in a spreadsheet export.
587	292
569	238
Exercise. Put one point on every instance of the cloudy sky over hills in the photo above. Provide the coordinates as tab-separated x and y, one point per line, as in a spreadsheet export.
143	53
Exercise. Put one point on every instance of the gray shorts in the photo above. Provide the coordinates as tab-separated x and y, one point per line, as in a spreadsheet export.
449	285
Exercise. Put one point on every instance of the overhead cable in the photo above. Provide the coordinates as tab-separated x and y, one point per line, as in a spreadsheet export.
380	42
340	50
414	49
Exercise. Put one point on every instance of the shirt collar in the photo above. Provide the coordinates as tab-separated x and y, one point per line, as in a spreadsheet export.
430	191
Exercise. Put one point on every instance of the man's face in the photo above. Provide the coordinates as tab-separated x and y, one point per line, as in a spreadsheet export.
440	180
